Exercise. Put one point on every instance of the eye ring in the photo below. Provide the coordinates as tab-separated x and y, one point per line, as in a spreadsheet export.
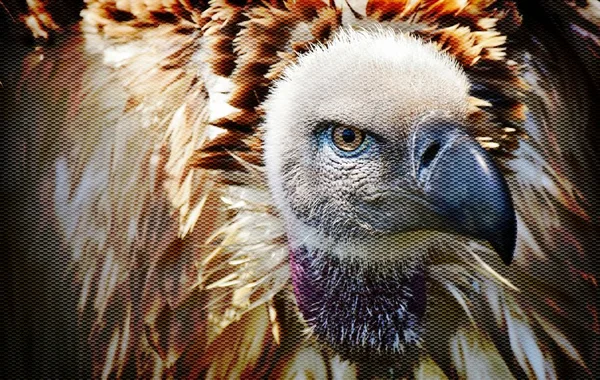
347	138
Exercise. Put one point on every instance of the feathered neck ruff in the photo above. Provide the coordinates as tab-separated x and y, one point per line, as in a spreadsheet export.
252	42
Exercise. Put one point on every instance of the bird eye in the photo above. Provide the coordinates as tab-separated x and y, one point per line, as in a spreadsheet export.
347	138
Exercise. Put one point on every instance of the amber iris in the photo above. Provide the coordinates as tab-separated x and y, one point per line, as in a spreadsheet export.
347	138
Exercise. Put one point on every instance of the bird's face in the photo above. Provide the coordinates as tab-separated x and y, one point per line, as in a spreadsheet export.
371	165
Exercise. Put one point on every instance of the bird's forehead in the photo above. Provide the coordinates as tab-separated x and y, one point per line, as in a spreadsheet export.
377	80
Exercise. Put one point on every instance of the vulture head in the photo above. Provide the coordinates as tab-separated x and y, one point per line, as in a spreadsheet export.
373	168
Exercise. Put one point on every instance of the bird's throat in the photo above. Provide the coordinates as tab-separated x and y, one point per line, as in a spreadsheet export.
361	312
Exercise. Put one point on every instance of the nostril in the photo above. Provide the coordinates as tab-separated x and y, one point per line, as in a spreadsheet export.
427	158
429	154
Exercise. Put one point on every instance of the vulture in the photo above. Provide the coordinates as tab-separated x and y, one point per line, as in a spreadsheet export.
320	189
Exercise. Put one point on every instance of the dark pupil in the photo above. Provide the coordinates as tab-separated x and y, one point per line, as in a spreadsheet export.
348	135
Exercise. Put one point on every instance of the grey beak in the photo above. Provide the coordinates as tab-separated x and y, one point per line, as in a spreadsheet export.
464	185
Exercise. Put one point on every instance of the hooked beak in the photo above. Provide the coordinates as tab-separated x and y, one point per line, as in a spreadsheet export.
464	186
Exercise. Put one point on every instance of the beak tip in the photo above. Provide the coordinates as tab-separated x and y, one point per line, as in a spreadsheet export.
504	239
506	251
